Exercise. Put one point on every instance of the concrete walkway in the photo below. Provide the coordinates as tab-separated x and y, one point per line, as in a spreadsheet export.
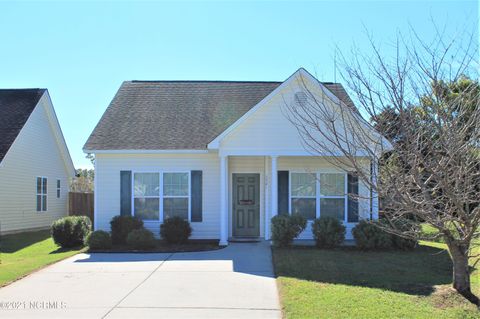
235	282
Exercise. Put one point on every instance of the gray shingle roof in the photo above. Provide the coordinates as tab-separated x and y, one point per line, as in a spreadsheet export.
16	105
168	115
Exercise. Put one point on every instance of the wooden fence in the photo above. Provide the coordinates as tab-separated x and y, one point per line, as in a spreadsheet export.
80	204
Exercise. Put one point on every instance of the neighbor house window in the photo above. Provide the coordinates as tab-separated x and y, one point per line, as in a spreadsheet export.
146	196
41	194
303	194
58	188
176	195
332	195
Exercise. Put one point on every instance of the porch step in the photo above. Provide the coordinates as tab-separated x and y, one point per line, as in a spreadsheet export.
245	240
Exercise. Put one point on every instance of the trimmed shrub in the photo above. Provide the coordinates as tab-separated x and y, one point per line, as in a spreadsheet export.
175	230
141	239
71	231
99	239
404	243
328	232
285	228
121	226
369	236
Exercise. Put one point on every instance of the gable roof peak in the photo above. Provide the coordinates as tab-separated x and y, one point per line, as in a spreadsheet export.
16	105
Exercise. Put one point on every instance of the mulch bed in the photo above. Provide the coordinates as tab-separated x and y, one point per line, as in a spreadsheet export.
163	247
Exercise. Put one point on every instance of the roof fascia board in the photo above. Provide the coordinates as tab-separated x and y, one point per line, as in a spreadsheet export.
145	151
57	132
385	142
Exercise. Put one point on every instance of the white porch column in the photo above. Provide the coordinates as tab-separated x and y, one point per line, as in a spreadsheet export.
223	200
273	195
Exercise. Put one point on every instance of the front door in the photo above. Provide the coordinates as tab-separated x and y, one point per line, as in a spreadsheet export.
246	205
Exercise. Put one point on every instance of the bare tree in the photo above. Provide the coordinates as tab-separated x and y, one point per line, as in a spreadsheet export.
429	172
83	181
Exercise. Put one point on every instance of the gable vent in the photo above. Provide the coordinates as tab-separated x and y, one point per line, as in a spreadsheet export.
300	98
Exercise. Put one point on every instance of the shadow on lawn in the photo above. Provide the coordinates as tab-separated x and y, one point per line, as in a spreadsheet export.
413	272
15	242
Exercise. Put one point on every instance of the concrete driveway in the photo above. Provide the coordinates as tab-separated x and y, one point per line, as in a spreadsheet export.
235	282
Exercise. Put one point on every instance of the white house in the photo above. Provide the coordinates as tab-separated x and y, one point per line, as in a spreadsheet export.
35	165
221	154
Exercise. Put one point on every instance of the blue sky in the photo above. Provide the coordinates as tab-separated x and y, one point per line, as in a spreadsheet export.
82	52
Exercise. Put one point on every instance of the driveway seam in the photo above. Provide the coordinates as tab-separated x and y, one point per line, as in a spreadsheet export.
135	288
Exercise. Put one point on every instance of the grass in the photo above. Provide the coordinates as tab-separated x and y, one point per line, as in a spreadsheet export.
23	253
347	283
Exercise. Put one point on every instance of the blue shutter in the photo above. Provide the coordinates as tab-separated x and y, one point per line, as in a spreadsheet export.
282	195
352	198
196	196
126	193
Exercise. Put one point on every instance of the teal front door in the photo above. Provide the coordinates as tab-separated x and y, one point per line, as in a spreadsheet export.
246	205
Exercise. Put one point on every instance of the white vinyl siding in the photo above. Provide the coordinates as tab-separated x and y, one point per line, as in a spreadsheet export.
34	153
107	194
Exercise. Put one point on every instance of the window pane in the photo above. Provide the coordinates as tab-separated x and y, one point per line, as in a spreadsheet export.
44	186
303	184
39	185
175	207
175	184
146	184
58	183
332	207
39	203
305	207
332	184
44	202
58	193
146	208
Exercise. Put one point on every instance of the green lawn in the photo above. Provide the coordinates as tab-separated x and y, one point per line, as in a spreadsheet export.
347	283
22	253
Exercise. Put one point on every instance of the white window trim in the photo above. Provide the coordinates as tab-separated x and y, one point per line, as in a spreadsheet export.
41	194
189	196
58	188
317	188
318	195
161	196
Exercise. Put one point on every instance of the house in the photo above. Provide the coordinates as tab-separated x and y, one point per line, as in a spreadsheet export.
35	165
221	154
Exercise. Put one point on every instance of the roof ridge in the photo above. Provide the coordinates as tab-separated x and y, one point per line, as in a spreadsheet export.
200	81
215	81
24	89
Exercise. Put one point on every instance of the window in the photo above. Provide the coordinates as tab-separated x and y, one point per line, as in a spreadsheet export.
320	194
146	196
176	195
303	194
332	195
41	194
58	188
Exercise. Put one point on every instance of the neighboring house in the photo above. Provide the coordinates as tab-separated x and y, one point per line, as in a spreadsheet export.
220	154
35	165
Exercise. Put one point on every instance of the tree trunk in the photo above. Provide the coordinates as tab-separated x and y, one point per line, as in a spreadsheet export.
461	272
